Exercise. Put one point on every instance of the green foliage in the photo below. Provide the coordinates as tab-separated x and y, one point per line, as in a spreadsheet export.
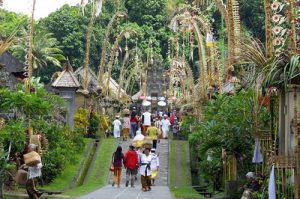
86	166
69	27
153	16
11	22
45	50
228	123
81	119
100	172
183	190
38	103
94	124
186	193
41	107
63	145
187	123
63	181
13	133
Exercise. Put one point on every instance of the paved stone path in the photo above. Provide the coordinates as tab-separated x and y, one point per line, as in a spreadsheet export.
160	190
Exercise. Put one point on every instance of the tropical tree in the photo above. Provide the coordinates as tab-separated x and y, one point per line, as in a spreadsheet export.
45	50
6	43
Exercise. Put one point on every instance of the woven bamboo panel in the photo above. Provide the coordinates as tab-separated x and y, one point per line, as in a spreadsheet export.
283	162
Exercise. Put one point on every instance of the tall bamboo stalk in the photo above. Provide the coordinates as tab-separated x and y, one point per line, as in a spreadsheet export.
268	29
203	65
87	48
30	47
112	57
106	43
293	26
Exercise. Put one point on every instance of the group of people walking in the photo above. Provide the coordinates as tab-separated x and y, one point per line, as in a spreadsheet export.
143	161
130	123
140	159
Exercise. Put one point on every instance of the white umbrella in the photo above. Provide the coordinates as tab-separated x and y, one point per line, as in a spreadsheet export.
257	156
162	103
272	185
146	103
161	98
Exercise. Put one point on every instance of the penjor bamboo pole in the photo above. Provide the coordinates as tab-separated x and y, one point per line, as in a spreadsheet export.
87	48
293	26
268	29
106	43
30	48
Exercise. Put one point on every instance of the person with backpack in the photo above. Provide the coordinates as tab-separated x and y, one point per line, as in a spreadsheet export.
131	165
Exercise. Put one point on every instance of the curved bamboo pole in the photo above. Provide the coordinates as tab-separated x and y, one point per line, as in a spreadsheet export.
184	71
106	43
124	72
187	18
202	57
112	57
87	48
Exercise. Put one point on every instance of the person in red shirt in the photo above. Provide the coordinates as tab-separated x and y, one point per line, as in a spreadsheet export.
131	165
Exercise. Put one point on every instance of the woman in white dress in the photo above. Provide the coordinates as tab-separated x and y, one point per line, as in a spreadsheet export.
165	126
145	170
117	127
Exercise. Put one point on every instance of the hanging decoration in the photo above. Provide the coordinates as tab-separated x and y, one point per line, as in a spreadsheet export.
192	46
174	26
257	156
272	184
297	13
29	48
279	30
98	7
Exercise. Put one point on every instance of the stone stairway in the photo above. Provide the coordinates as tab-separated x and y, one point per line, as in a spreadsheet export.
160	190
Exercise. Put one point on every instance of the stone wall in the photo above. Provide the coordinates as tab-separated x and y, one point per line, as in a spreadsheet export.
6	79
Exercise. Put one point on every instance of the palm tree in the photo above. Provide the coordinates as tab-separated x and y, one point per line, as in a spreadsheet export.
6	43
45	50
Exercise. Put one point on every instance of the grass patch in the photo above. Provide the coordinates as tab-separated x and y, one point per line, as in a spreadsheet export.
86	165
184	191
172	163
99	175
64	180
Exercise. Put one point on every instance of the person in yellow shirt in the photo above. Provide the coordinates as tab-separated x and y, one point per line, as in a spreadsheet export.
152	132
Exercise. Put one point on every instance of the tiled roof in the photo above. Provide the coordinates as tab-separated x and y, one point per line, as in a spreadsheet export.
66	79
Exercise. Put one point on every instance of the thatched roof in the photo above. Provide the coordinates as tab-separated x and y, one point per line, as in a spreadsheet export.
66	79
92	79
94	83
